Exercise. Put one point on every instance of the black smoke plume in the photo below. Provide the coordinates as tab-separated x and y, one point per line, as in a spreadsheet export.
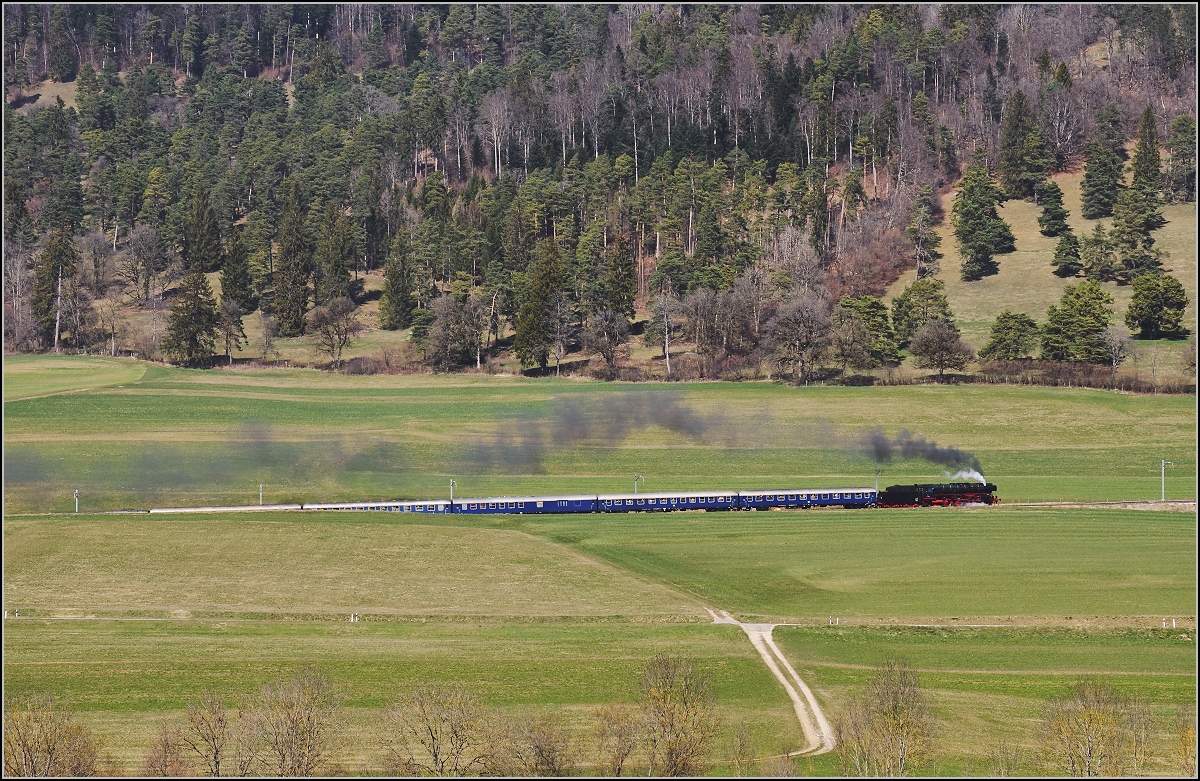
881	449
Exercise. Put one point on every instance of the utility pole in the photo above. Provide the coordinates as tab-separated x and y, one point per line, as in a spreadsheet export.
1165	464
877	480
452	484
260	494
76	500
635	482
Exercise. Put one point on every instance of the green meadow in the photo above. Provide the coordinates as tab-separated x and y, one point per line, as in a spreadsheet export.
129	618
132	436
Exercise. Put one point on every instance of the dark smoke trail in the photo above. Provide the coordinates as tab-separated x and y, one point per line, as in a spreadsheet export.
877	446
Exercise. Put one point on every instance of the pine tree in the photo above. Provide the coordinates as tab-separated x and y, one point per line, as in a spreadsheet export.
1181	165
620	279
1066	260
236	285
1101	180
201	239
61	51
1157	307
397	303
1053	219
921	233
193	323
977	226
1147	162
333	257
55	267
1024	158
1096	255
293	269
1013	336
1074	330
873	314
920	302
535	335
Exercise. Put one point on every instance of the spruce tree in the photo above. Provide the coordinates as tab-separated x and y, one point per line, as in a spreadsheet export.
1110	130
1024	158
333	256
193	323
873	314
1134	217
1053	219
1147	162
1096	255
1181	165
1101	180
1066	260
1157	307
201	238
620	279
1074	330
921	233
293	269
54	269
1013	336
397	303
977	226
236	285
535	335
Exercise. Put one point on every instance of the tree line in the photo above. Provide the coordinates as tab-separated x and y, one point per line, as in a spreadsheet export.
291	729
663	152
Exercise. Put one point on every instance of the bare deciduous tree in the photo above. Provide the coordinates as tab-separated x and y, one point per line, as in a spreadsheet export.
618	730
607	332
1091	732
741	753
42	738
166	757
294	719
886	731
224	744
334	326
434	730
799	333
533	747
937	345
680	720
1185	736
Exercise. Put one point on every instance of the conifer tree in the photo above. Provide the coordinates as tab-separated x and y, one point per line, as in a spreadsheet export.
977	226
1024	158
1147	161
1074	330
1101	180
620	283
920	302
293	269
55	267
236	285
1110	130
397	303
873	314
1157	307
921	233
201	238
333	256
1134	217
1053	219
535	335
1096	255
1066	260
193	323
1013	336
1181	165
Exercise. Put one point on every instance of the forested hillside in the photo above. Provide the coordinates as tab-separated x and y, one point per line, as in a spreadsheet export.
532	178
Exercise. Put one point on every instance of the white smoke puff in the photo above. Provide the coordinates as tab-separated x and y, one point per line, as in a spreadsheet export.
966	473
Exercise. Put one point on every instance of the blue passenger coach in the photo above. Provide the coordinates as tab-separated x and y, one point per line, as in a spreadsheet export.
426	506
806	497
666	501
495	505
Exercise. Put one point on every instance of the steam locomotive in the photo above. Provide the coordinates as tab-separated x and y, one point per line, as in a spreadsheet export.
937	495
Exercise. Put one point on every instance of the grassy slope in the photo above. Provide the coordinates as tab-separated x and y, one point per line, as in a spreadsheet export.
311	436
1026	283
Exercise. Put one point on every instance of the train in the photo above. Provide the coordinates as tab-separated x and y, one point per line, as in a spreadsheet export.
919	495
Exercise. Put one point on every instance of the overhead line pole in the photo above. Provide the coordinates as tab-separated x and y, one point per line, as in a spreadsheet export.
1164	477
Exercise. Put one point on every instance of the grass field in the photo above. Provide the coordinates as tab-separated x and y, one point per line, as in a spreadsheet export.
130	617
181	437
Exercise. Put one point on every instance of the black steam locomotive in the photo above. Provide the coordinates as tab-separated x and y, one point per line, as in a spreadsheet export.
937	495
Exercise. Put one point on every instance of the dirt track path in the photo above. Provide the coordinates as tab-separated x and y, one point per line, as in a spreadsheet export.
818	733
